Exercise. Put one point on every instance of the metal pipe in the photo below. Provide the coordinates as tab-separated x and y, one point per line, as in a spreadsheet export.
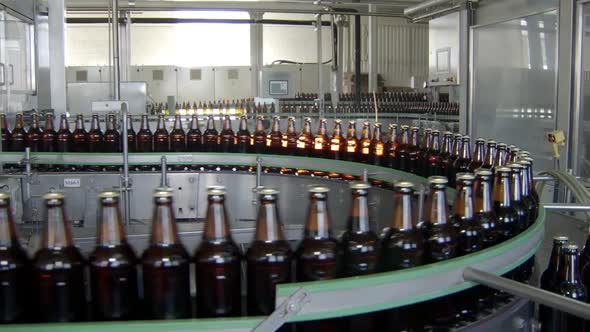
258	172
538	295
168	20
566	207
116	50
126	182
548	178
164	169
357	60
320	69
425	5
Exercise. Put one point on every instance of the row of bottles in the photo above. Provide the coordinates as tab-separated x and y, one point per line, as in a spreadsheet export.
384	97
223	107
54	279
290	107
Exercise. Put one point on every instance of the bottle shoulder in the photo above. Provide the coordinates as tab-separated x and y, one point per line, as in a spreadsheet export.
218	252
58	258
112	256
165	255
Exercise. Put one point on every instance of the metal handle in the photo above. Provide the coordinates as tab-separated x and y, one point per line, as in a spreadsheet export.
11	74
3	76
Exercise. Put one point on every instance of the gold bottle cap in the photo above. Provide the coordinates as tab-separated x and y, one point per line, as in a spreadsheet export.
403	184
359	185
268	191
53	195
108	194
318	189
438	179
4	195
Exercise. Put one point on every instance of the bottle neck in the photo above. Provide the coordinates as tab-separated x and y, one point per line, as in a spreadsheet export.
57	233
276	126
405	137
402	218
243	124
110	232
268	228
3	123
111	123
18	124
466	150
479	152
437	207
414	138
359	215
318	225
63	125
160	125
49	123
516	186
34	122
307	128
79	123
483	196
377	134
447	145
8	236
502	190
164	230
526	189
210	123
95	124
568	268
351	132
500	157
337	133
435	142
457	146
490	154
291	127
366	133
464	203
177	123
427	141
144	123
216	225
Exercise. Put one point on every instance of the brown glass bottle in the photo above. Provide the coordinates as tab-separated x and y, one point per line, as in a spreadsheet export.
441	241
18	135
165	265
336	145
95	136
501	156
570	286
516	197
364	147
177	136
469	231
113	263
478	155
391	147
463	161
447	151
217	263
451	171
319	256
402	245
415	153
243	136
534	194
269	258
527	190
79	136
161	137
131	135
58	269
194	137
15	272
112	138
404	149
227	138
320	141
4	132
49	135
33	137
144	136
490	156
351	143
275	137
484	212
305	139
259	136
377	149
64	135
549	282
289	139
432	160
425	150
507	216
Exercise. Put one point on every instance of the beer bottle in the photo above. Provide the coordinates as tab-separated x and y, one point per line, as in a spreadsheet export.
79	136
112	138
433	162
275	137
194	138
403	150
49	135
513	155
447	151
305	139
507	216
243	136
490	156
161	137
177	136
501	154
377	149
113	265
144	136
269	257
549	282
95	136
425	151
415	154
289	139
451	171
463	162
570	286
64	135
359	242
402	246
469	231
534	194
227	138
336	142
516	197
391	147
478	155
351	143
319	255
320	141
165	265
217	263
259	136
5	133
15	270
131	147
33	137
58	268
527	197
365	144
441	241
18	135
484	212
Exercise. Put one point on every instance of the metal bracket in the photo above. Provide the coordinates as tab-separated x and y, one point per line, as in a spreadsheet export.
289	308
258	181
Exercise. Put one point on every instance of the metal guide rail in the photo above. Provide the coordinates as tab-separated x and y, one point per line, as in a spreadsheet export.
311	300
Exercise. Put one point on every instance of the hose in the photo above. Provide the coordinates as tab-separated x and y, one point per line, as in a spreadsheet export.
581	194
